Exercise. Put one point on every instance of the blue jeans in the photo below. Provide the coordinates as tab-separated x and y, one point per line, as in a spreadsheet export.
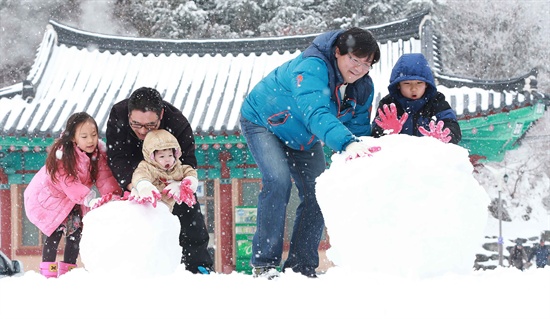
278	164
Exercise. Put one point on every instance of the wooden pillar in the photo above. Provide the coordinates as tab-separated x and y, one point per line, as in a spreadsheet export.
225	220
5	215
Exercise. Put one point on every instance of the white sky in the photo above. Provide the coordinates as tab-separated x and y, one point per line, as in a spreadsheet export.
404	225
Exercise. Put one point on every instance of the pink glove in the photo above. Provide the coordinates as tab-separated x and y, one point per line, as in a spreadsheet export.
183	192
96	202
144	192
388	119
193	183
187	195
172	190
125	196
360	149
437	132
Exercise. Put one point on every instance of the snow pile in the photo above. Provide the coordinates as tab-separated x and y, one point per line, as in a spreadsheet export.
371	206
412	209
126	238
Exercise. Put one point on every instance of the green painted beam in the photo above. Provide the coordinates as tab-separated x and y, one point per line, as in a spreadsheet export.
19	142
489	136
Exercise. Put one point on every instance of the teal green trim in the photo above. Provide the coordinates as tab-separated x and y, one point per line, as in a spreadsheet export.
20	142
488	136
491	136
221	139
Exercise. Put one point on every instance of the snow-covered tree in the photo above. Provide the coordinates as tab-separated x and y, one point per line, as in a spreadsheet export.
242	16
166	19
480	39
347	13
385	11
291	17
493	40
22	25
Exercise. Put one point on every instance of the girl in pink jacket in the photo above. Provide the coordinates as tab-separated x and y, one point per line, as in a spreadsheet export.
60	194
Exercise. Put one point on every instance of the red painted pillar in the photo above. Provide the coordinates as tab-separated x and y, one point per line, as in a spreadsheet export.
5	214
226	215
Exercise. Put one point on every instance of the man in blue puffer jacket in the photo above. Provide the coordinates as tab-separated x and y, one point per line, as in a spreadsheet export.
323	95
413	105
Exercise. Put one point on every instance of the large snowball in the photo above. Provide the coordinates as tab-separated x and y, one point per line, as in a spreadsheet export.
126	238
432	223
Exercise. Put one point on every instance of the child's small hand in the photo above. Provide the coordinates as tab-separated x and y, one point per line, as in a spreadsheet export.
182	192
388	120
193	183
87	201
187	194
437	131
360	149
145	191
96	202
172	190
126	195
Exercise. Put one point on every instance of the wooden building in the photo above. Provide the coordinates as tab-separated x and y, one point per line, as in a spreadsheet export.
77	70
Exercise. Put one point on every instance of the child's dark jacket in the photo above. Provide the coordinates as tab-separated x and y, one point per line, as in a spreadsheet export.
432	105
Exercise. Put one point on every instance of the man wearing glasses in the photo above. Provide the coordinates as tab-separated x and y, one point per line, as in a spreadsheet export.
129	121
324	95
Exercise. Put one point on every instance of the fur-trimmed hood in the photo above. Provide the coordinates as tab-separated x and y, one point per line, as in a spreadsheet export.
159	140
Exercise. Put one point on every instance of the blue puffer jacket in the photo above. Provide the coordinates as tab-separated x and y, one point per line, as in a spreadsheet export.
301	104
431	106
541	253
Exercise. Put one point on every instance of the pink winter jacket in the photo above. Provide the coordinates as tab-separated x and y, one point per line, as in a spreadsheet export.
47	204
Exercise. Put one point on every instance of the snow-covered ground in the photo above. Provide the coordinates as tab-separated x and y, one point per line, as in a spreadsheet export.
525	195
404	226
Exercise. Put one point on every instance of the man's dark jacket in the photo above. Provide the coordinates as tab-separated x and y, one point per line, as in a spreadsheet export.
124	147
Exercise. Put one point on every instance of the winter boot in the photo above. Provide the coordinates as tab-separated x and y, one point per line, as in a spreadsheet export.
64	268
265	272
48	269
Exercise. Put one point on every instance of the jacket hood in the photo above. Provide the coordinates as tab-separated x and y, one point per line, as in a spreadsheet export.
322	47
325	43
159	140
412	66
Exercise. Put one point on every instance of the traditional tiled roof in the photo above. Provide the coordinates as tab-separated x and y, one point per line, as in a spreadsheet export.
75	70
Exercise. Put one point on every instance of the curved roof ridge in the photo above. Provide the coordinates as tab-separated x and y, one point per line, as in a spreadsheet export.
70	36
526	82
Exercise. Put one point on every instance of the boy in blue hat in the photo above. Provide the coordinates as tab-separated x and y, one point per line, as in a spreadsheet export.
413	105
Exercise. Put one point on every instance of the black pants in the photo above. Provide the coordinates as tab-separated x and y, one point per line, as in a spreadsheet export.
193	237
72	246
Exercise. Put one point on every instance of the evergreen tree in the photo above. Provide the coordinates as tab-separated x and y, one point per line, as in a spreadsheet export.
292	17
478	39
242	16
485	39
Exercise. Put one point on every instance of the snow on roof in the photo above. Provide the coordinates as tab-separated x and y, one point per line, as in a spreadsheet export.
207	80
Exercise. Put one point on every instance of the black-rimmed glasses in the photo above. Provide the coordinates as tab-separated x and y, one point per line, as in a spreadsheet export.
148	126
